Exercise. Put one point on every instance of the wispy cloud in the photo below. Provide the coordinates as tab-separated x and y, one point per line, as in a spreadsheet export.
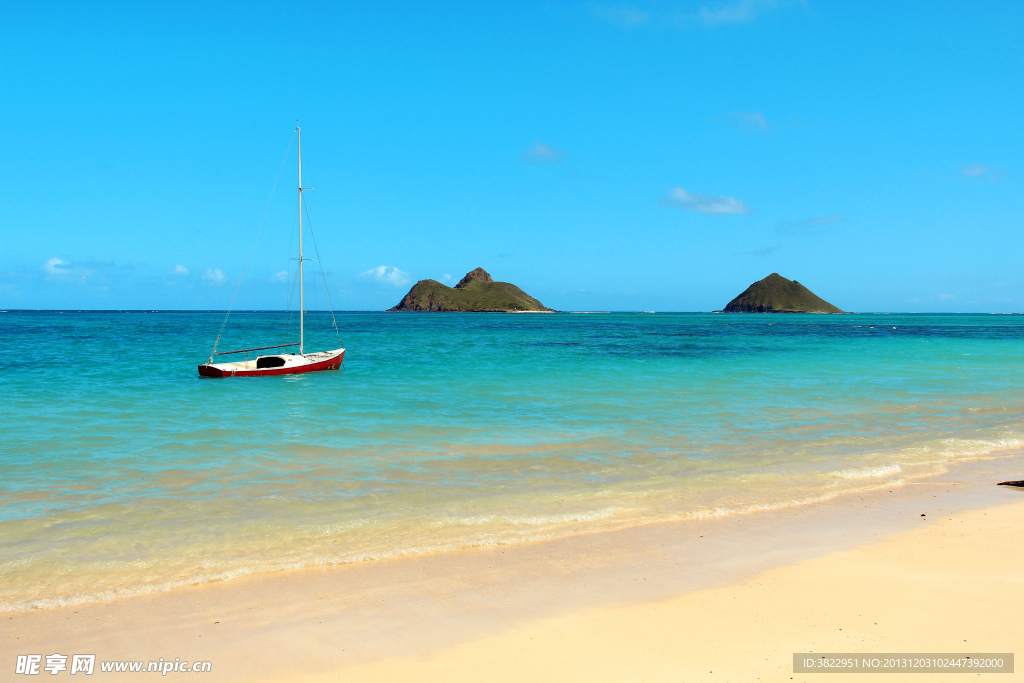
447	278
764	251
735	12
215	276
977	171
808	226
56	267
627	16
59	269
704	203
539	153
754	121
386	275
180	270
679	16
279	276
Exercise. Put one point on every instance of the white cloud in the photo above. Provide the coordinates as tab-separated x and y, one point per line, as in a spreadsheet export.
835	218
447	277
705	203
215	276
279	276
977	170
754	121
386	275
540	153
736	12
59	269
180	270
56	267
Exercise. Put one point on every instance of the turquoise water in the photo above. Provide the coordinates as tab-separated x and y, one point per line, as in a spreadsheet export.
123	472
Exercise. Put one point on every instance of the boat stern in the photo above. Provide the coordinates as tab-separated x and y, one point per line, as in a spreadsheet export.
207	370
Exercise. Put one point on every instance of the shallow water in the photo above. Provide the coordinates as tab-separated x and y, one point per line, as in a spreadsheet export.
122	472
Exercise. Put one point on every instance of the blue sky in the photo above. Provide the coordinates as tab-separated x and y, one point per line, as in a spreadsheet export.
601	155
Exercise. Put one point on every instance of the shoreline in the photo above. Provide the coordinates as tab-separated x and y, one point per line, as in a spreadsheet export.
313	621
863	479
953	586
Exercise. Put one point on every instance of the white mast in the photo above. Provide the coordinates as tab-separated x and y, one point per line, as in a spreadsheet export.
302	308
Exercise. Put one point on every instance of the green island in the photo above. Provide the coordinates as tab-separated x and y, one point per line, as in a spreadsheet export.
477	292
776	294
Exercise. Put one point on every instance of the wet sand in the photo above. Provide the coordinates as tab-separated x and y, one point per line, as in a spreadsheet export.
954	585
737	595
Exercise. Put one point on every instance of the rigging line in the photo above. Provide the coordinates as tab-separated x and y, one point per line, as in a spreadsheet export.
291	297
293	279
316	249
258	231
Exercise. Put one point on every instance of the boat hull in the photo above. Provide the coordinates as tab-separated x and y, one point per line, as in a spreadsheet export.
328	360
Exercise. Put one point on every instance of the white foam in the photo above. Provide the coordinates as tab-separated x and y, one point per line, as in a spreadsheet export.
868	472
978	448
527	520
712	513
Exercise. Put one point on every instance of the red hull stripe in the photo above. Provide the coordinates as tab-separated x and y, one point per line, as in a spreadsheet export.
332	363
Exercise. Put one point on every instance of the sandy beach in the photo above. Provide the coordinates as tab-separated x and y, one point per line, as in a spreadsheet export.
932	566
952	586
761	423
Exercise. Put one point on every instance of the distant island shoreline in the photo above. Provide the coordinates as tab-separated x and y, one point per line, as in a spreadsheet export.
776	294
477	292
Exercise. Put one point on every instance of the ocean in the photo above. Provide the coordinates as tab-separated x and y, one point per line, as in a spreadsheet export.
123	472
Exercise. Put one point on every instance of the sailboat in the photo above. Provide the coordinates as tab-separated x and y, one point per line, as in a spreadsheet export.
278	363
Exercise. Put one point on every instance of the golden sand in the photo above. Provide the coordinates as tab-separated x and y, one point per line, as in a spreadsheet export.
718	600
953	585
